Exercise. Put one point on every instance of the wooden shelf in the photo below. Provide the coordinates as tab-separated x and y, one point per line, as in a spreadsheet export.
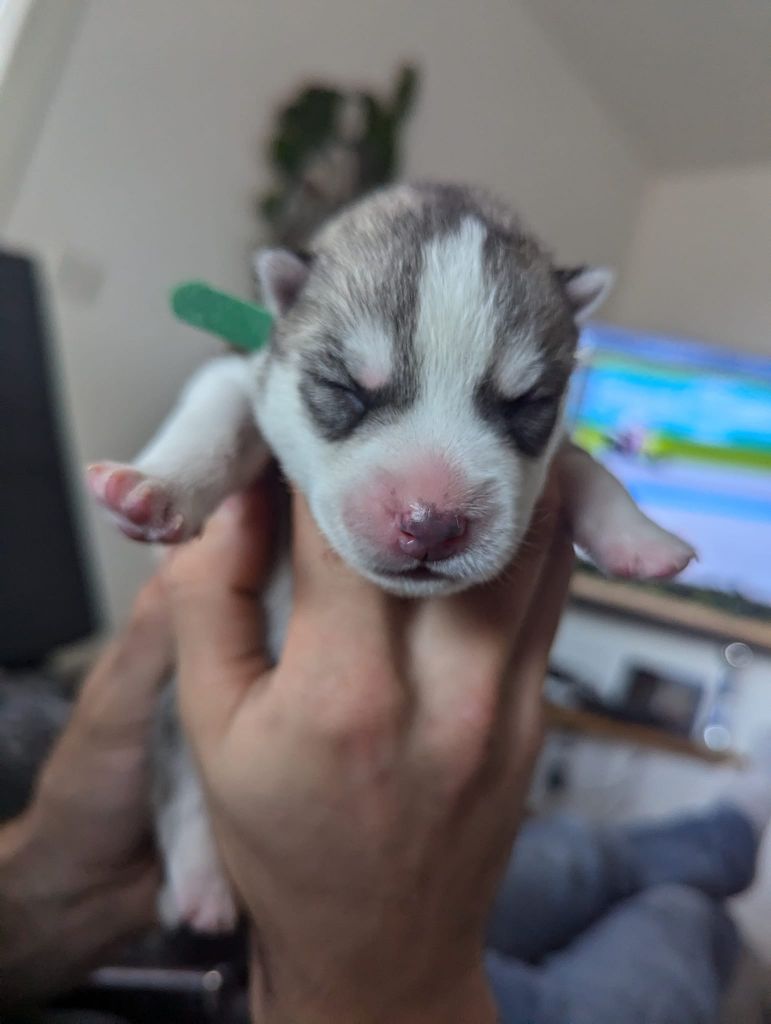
669	610
588	723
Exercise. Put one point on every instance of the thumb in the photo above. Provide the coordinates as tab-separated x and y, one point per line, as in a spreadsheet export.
215	585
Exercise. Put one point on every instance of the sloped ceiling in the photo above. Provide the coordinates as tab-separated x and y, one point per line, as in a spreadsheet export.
688	80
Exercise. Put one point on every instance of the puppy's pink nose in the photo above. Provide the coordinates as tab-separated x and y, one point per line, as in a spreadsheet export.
430	534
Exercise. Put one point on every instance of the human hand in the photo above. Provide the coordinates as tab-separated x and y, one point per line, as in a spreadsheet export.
365	791
77	869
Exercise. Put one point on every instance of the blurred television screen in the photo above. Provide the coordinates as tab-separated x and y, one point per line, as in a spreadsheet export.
687	428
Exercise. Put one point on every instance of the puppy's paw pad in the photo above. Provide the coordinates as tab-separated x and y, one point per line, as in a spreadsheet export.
650	553
144	507
203	902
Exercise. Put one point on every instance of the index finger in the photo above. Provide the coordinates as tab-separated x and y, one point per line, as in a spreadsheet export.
466	642
117	701
215	586
343	633
530	655
480	625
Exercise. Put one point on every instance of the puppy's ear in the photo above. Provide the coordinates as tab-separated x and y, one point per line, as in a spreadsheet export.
586	289
281	275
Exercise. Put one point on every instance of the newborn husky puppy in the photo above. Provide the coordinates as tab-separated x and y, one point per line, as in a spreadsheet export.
413	390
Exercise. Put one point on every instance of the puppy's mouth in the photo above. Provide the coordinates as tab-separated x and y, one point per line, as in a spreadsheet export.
417	573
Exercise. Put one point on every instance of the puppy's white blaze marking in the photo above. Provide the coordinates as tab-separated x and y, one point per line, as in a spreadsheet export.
454	338
455	325
457	320
369	352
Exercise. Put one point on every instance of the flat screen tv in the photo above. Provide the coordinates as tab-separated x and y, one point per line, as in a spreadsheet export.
687	427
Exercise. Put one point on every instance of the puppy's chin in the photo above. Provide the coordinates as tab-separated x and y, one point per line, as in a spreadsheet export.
411	585
425	581
431	579
437	579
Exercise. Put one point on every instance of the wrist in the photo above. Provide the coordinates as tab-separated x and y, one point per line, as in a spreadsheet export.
55	922
461	1001
25	901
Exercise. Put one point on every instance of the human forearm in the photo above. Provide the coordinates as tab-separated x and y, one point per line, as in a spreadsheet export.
77	869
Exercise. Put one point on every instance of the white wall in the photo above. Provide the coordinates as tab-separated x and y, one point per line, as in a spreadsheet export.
700	260
149	160
35	37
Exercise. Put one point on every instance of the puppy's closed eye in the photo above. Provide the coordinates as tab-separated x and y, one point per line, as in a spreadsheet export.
336	407
527	419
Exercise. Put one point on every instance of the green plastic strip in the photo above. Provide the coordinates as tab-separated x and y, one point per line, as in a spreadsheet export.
240	323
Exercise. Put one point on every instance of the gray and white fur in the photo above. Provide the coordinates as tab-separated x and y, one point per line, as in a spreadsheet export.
413	390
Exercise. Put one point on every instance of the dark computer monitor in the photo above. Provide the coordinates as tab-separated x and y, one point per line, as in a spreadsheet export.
45	596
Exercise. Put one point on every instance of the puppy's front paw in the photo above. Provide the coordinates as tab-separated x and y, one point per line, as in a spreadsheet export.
199	897
144	507
646	552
